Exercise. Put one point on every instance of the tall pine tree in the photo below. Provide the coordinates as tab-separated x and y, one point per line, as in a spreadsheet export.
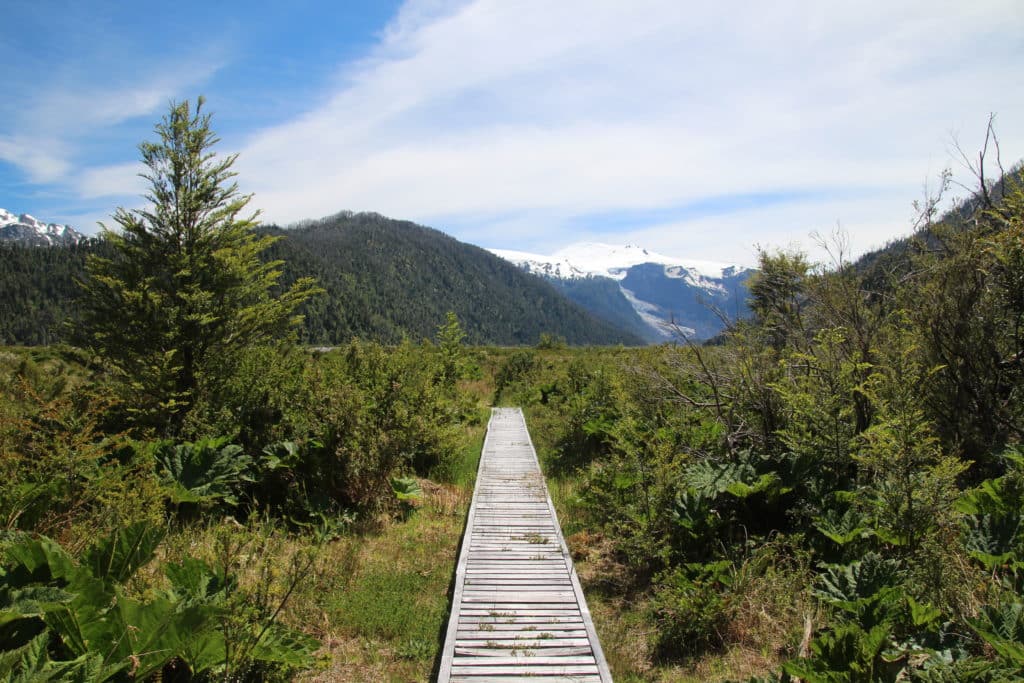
185	291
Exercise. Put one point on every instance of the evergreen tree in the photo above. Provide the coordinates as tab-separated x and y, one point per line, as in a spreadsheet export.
450	336
185	290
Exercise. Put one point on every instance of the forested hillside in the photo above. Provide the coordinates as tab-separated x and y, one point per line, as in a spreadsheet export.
38	290
383	279
386	279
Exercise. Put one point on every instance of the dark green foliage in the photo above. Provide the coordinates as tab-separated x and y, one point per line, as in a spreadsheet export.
389	279
384	279
372	414
1002	628
872	427
208	471
99	622
516	368
40	294
994	519
590	412
55	607
449	338
691	610
59	460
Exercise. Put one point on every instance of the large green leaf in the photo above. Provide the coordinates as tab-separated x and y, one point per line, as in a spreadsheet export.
29	656
285	645
202	649
31	663
844	527
38	560
841	584
31	601
769	483
205	471
145	636
1002	627
116	559
193	581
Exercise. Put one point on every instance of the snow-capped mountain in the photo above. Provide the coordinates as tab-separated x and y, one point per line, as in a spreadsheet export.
28	230
662	292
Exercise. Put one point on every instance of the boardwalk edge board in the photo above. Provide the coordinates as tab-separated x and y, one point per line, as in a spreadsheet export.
518	611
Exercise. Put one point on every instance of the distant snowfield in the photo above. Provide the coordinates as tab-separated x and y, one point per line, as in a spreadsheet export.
610	260
665	308
30	230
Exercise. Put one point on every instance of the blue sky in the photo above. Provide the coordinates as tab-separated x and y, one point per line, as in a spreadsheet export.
695	129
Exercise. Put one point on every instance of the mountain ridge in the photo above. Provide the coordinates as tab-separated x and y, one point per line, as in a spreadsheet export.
29	230
385	280
669	295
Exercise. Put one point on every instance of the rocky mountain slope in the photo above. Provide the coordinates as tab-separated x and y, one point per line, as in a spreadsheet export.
30	231
665	294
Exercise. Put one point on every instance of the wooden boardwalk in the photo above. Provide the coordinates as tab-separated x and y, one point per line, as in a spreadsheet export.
518	613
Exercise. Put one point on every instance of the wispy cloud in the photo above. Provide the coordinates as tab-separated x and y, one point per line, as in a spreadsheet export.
41	159
47	129
697	129
512	123
115	180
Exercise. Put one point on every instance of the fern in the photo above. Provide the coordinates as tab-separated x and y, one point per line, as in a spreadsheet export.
994	517
1002	627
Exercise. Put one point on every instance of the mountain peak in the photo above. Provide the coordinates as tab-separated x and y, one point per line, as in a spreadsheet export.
29	230
585	259
666	293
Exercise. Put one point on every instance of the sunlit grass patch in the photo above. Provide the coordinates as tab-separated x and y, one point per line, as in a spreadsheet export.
387	621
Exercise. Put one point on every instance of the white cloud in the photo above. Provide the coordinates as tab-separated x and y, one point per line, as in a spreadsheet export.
511	119
867	223
117	180
42	160
57	117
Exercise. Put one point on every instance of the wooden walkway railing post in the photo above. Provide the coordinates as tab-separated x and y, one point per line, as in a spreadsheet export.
518	612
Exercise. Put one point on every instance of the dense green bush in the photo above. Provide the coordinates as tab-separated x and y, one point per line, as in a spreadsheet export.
862	419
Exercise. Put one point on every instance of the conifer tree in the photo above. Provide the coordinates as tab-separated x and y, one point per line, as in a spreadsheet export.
185	291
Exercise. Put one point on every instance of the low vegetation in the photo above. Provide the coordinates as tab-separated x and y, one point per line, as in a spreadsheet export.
833	491
192	496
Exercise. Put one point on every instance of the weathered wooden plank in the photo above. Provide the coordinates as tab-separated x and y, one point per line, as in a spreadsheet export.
500	623
528	660
529	679
460	667
522	635
470	651
513	617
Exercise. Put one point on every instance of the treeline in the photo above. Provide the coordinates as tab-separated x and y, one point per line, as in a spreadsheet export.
383	279
833	493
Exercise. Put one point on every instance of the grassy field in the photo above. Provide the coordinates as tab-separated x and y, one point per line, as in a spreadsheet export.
379	599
